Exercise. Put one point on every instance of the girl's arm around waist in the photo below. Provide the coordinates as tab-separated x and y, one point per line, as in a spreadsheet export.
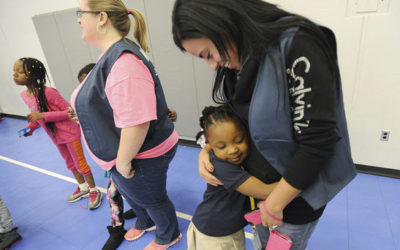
256	188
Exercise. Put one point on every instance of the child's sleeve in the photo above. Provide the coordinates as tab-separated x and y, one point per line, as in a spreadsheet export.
55	116
33	126
234	178
57	102
231	175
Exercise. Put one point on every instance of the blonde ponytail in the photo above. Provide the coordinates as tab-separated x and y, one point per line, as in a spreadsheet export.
119	16
140	30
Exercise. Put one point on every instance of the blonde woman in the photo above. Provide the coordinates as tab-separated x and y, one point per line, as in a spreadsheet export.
124	118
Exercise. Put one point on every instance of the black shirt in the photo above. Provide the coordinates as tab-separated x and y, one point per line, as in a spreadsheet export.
222	209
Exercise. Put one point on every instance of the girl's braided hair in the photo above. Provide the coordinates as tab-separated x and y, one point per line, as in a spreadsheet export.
36	80
211	115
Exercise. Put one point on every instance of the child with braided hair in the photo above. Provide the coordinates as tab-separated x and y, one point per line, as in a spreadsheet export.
49	110
218	220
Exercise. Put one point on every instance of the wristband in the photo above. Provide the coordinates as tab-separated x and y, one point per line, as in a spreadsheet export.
269	214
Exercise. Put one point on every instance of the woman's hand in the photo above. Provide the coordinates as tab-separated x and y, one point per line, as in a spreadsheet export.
34	116
125	170
132	139
267	220
205	167
272	208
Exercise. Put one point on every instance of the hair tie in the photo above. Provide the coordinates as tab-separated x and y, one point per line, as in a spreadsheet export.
128	11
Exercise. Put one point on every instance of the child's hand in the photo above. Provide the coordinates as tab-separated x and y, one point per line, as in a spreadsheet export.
71	114
205	167
172	115
24	132
27	134
34	116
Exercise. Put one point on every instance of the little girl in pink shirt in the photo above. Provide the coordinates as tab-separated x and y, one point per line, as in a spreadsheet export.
49	110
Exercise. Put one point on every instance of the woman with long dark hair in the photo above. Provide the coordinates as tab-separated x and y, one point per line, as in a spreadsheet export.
278	71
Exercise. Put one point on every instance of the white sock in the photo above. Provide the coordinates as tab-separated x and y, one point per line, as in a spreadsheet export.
93	189
84	186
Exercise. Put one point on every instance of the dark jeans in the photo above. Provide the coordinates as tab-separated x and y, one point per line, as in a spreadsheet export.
147	195
300	234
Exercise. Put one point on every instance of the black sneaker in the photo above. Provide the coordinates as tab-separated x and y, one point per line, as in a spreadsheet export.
129	214
116	237
10	238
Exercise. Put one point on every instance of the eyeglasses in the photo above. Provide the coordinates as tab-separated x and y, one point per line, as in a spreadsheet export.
79	13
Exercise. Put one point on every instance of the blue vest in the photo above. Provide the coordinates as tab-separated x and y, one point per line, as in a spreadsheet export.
271	127
96	115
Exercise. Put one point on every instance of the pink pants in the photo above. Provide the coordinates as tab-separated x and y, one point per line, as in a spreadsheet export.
74	158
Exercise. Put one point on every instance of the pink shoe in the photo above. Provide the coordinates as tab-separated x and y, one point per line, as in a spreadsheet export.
95	199
134	233
77	195
155	246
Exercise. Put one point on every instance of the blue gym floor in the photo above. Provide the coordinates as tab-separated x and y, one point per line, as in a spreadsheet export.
34	183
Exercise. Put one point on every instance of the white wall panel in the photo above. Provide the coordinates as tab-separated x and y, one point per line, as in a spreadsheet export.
176	70
376	102
56	57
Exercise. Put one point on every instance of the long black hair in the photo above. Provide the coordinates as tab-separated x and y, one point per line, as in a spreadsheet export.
252	26
36	81
213	114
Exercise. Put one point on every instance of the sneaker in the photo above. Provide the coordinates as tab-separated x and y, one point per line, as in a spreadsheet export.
95	199
116	237
155	246
9	239
129	214
77	195
134	233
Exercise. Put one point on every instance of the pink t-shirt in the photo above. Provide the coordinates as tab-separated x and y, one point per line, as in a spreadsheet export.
66	130
131	94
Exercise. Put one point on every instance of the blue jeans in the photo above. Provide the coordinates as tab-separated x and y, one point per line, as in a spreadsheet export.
147	195
300	234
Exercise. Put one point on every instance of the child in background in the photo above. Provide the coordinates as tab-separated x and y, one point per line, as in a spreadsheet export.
8	233
49	110
218	221
85	71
